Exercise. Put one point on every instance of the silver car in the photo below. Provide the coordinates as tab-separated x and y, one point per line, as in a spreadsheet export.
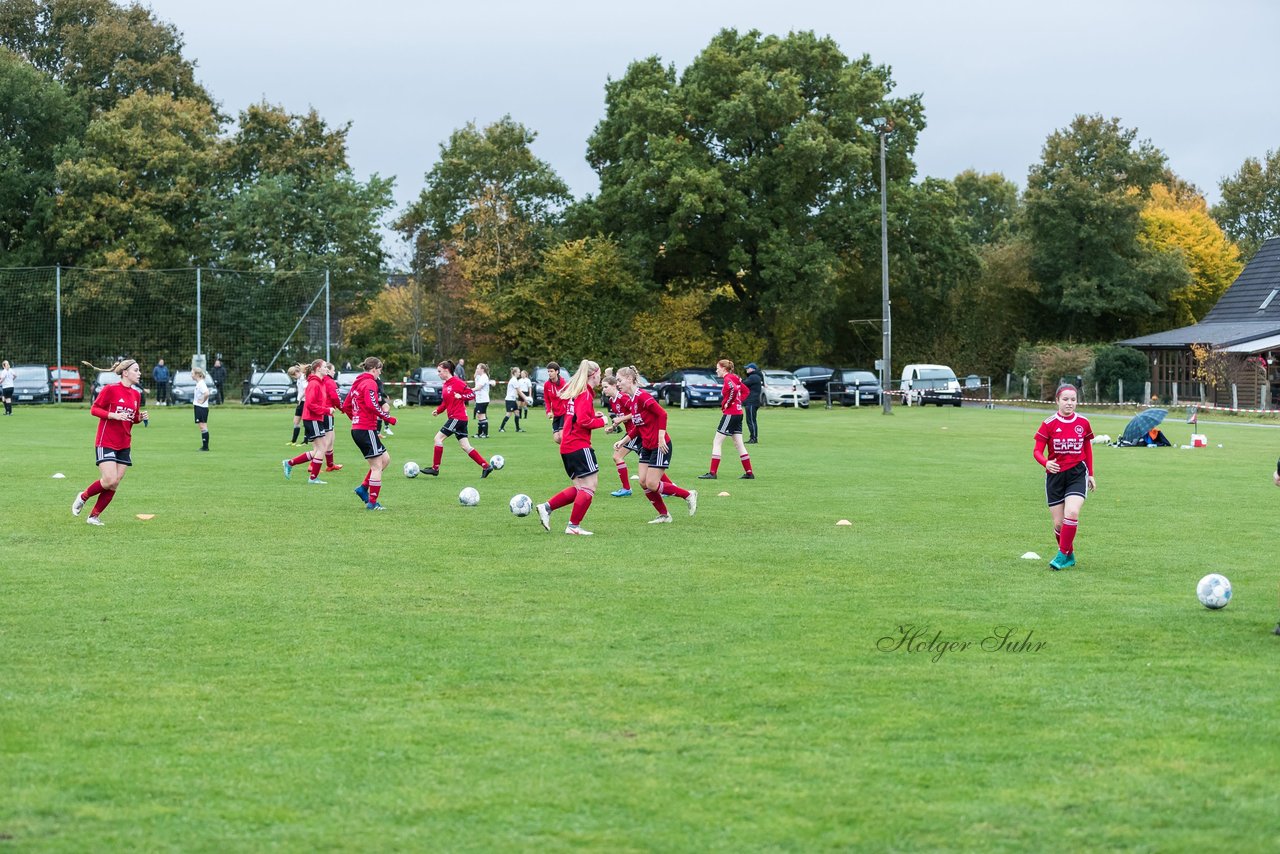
781	388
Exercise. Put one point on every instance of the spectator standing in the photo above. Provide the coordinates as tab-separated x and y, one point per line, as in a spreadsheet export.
754	395
218	373
160	376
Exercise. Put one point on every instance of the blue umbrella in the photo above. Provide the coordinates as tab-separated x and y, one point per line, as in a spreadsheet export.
1141	424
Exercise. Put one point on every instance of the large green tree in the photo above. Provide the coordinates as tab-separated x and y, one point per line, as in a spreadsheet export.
989	204
1084	204
37	118
749	170
1250	208
102	52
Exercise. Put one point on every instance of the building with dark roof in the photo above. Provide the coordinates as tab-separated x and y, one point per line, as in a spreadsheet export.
1244	325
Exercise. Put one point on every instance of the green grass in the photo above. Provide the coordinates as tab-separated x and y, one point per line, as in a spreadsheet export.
266	665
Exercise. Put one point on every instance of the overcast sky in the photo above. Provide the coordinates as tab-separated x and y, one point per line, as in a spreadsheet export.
1196	78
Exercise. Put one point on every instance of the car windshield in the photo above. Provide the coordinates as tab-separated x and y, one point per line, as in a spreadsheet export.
272	378
860	377
936	374
346	378
779	377
183	378
29	374
698	378
65	375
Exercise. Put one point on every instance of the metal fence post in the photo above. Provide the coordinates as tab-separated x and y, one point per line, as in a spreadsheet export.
1119	391
57	325
1175	394
1235	397
326	314
199	350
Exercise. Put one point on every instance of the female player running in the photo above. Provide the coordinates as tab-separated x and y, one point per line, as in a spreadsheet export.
731	397
453	398
1064	447
362	407
512	401
579	459
649	424
117	407
620	407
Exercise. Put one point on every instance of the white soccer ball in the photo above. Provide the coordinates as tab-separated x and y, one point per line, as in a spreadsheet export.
521	505
411	469
469	497
1214	591
497	461
397	403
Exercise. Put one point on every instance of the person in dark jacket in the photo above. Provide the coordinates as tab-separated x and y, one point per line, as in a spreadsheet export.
160	376
755	395
218	373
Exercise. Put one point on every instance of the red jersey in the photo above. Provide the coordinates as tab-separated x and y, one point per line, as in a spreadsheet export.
620	405
1068	441
647	418
580	420
457	407
551	397
732	395
119	399
362	403
319	399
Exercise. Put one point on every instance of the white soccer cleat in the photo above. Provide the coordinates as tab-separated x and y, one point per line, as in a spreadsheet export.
579	532
664	519
94	520
544	516
693	501
77	505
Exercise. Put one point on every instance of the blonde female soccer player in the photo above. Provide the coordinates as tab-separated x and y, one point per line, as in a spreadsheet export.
117	407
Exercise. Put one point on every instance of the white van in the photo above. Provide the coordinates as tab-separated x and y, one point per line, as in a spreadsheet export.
923	384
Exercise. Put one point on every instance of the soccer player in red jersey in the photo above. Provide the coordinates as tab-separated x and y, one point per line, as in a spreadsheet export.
453	397
317	411
1064	447
117	407
649	424
620	408
362	407
731	397
334	402
552	401
580	418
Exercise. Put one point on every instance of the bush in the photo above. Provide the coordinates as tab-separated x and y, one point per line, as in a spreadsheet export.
1114	363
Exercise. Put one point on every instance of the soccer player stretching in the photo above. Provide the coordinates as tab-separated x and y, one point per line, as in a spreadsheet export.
361	406
620	408
731	397
579	459
117	407
1064	447
453	397
649	424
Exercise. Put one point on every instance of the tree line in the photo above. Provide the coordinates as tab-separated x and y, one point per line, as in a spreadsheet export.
737	212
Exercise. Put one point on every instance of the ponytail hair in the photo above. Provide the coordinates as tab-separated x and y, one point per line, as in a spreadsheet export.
447	365
630	372
727	364
578	384
118	368
371	364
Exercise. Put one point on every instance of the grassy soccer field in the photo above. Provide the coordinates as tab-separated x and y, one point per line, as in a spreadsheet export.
266	665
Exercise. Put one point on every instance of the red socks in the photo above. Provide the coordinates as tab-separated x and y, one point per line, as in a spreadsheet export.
669	488
655	498
374	487
1067	540
104	498
715	464
746	463
563	498
300	458
436	456
623	476
475	455
314	469
94	489
580	505
328	458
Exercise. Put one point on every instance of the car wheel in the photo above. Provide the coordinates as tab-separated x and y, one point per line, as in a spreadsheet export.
804	404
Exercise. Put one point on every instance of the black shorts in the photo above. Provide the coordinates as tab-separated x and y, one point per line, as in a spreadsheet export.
312	430
297	410
580	463
202	414
112	455
8	392
368	443
455	427
656	458
482	408
328	423
730	424
557	423
1073	481
513	405
633	445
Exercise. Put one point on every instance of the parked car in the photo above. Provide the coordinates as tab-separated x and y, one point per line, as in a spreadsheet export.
32	384
182	388
783	388
344	380
106	378
700	386
854	388
429	390
936	384
67	382
270	387
814	378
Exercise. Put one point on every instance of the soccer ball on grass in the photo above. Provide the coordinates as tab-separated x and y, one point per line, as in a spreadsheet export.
497	461
469	497
1214	591
521	505
411	469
